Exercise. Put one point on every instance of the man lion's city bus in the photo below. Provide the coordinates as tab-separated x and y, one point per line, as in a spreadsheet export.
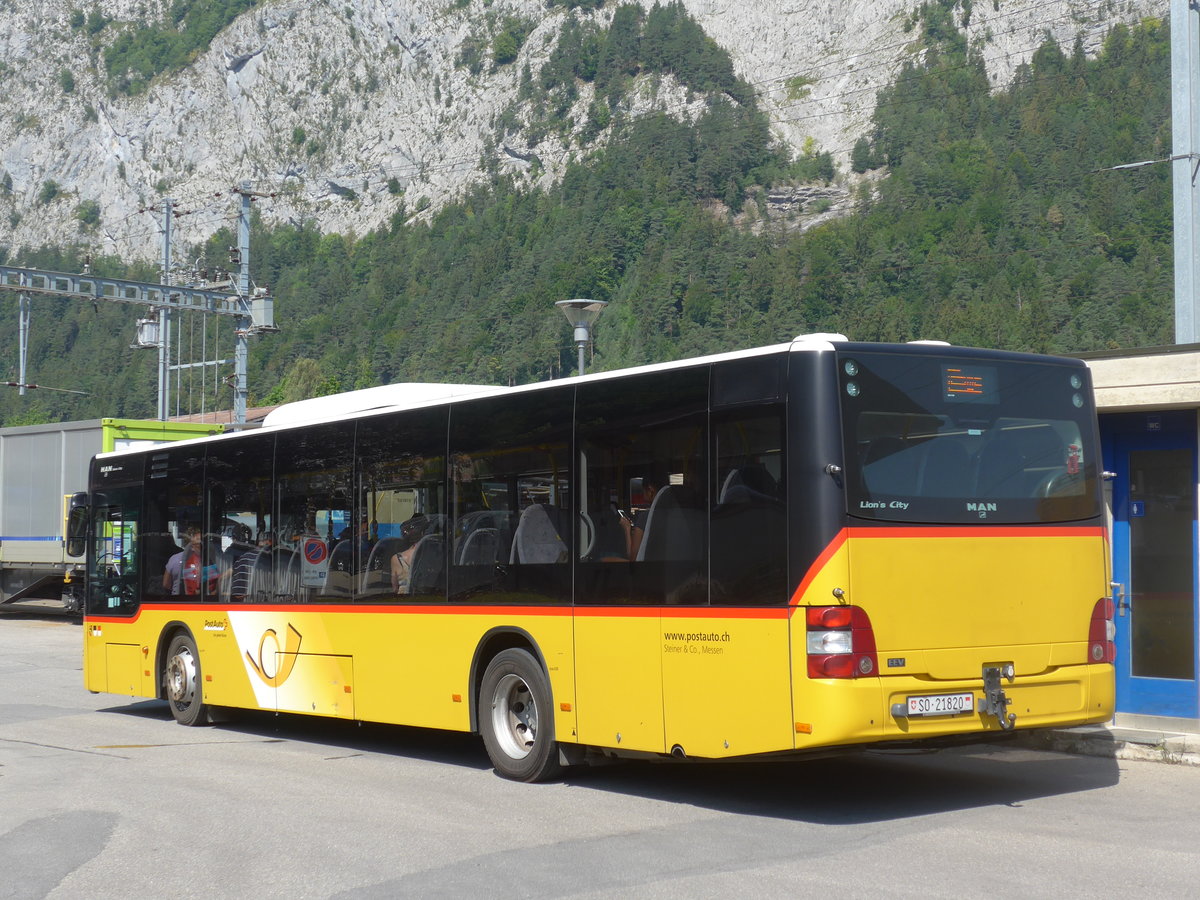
821	544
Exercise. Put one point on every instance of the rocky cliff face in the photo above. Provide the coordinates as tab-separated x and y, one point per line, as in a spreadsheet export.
342	111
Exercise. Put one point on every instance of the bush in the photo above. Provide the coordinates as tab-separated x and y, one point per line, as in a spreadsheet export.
48	192
88	213
509	41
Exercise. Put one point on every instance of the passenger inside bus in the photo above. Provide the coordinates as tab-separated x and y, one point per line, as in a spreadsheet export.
635	526
411	533
182	574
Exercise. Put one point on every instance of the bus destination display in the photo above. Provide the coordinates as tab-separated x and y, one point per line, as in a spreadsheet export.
974	384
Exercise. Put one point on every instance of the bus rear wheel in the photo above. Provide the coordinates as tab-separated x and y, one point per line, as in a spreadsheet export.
181	682
516	719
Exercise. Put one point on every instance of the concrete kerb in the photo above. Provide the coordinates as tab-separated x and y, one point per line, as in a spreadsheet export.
1119	743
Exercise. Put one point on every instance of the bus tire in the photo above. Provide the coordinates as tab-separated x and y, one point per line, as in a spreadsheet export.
181	682
516	717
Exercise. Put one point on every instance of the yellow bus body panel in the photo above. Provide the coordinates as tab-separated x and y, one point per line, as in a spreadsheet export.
726	682
409	665
1024	590
943	605
618	678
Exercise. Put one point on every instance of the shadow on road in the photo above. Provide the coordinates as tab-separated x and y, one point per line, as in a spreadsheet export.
863	786
448	747
858	787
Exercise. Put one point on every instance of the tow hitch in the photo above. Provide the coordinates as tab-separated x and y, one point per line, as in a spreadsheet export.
995	703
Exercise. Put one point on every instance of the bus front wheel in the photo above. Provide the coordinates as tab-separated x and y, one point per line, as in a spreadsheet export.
181	681
516	718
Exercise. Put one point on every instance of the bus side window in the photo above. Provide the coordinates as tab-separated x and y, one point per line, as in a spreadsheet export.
401	491
644	489
312	511
173	505
512	530
748	517
239	487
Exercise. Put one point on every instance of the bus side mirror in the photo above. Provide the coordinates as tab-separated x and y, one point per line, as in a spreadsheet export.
77	521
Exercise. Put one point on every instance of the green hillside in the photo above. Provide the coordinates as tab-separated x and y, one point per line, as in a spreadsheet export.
991	222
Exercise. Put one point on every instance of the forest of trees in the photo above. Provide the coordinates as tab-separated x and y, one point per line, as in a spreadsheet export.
990	217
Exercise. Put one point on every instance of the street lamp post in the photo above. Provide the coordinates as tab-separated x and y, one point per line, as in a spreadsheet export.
582	314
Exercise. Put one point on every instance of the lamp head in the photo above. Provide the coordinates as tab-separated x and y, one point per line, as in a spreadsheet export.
582	312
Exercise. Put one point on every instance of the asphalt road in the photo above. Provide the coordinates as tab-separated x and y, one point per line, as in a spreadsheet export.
105	796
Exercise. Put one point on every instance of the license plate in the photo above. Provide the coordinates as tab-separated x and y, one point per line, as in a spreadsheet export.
941	704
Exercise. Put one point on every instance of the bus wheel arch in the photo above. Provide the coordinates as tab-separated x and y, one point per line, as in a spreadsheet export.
513	707
181	679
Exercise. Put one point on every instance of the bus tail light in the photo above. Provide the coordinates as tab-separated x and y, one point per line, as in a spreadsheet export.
1102	632
841	643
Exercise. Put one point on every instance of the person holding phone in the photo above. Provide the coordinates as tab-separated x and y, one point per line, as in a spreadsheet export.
635	526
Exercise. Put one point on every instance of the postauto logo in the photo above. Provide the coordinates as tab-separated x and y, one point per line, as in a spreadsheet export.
270	651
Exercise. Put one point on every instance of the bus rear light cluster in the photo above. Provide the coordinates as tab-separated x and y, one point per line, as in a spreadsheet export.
1102	632
841	643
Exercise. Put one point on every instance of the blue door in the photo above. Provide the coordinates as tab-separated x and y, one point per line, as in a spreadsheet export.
1154	560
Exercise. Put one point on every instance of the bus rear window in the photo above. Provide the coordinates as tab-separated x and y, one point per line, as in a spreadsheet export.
939	440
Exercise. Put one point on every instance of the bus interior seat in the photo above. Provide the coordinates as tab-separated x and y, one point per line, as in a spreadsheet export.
537	538
260	584
340	558
608	540
750	483
427	571
732	480
377	576
1014	463
287	575
674	527
945	469
479	547
339	584
338	580
1045	450
472	522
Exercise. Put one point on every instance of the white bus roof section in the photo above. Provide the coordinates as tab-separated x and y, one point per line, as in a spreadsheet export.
387	396
412	394
818	340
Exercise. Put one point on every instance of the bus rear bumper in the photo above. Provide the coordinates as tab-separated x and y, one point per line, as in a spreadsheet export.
880	709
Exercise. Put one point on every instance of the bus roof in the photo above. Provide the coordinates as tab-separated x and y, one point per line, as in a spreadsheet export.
387	396
408	395
411	395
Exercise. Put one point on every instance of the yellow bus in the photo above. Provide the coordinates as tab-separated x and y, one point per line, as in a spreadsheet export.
816	545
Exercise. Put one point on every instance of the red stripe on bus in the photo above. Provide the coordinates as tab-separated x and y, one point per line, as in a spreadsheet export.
684	612
978	531
818	564
631	612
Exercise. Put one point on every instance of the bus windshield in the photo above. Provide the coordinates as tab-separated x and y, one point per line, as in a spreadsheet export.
936	439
